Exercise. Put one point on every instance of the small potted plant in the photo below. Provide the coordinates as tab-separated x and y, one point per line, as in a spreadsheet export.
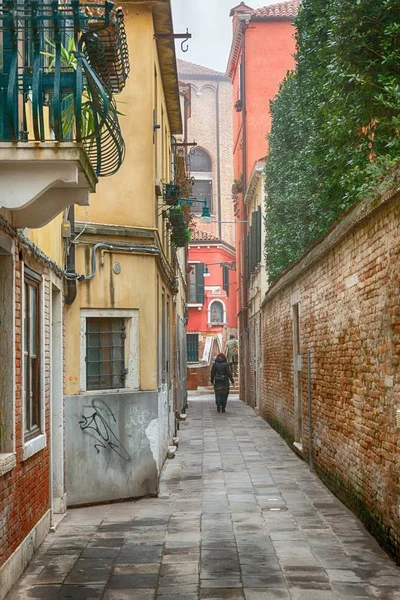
175	216
180	236
172	194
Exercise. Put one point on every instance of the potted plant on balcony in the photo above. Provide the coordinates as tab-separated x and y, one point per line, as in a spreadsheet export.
180	236
175	216
172	194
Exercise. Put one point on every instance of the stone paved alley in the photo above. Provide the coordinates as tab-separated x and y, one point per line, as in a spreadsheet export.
239	516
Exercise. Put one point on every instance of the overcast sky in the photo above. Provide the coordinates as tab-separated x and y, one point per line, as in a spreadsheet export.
210	25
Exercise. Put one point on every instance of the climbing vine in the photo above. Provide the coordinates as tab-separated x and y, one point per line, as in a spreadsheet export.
335	121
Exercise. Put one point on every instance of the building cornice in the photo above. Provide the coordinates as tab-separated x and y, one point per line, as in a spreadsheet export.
225	245
256	174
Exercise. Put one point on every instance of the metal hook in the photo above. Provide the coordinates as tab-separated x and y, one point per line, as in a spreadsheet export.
185	41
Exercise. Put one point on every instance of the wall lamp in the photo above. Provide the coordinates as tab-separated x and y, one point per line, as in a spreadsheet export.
231	266
205	212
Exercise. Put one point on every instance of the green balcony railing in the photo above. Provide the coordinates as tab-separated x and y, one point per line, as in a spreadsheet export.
60	63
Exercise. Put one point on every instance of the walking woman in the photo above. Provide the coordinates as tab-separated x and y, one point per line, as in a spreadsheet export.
220	377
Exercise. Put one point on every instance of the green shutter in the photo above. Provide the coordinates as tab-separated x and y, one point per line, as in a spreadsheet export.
200	283
259	240
192	344
253	236
225	277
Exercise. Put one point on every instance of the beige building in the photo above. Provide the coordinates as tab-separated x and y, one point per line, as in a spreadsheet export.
257	278
210	162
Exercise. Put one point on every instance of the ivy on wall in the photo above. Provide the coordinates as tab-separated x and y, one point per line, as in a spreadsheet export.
335	121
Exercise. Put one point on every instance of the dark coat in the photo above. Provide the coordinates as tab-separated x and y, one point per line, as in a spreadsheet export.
221	369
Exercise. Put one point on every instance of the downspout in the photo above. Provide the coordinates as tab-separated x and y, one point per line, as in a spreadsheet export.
245	23
244	311
71	283
218	161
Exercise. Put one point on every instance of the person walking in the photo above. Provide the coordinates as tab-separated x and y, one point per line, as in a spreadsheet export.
232	352
221	375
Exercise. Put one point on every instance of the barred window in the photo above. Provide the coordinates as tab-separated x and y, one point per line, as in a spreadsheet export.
105	353
192	340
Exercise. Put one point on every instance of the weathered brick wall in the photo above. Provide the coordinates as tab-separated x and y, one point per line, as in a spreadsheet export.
349	293
24	491
251	397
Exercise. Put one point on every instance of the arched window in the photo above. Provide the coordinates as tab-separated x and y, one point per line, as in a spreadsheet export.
201	171
200	161
217	313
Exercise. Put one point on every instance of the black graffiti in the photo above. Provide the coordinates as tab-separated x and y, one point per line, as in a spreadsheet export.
97	426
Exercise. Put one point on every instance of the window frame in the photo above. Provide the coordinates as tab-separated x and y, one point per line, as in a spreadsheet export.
33	280
132	358
198	268
192	333
99	349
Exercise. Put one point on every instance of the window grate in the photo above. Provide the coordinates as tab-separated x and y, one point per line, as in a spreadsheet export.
192	342
105	353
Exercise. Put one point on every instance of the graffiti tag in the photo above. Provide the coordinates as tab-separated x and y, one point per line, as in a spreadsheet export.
98	426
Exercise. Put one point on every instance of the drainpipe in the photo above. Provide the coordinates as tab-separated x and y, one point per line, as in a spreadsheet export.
245	18
218	161
71	283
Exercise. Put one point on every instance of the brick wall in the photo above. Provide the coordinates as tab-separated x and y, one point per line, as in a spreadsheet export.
251	381
348	290
24	491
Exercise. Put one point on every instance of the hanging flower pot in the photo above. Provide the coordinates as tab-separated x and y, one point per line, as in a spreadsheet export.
180	236
172	194
175	216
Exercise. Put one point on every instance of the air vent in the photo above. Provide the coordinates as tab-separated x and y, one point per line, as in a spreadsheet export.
398	418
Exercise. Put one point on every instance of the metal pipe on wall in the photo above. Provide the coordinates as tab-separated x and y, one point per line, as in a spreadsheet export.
310	445
218	160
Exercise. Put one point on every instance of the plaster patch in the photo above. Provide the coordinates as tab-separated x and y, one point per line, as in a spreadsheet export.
152	435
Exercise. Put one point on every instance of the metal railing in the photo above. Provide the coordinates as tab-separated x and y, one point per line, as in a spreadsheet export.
60	63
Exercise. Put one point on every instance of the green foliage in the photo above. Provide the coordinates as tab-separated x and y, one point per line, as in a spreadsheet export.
69	62
336	121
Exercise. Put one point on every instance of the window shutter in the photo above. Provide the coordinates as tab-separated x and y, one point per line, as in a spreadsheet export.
253	240
200	283
259	240
225	273
247	274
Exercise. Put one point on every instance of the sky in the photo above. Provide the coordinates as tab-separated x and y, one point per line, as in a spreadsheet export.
211	27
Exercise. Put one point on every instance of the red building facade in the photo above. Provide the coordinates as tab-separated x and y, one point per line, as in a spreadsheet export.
261	54
212	288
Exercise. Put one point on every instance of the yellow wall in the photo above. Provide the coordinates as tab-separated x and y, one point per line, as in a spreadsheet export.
49	239
128	198
133	288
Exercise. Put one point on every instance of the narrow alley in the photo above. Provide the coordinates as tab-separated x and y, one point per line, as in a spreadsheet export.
239	516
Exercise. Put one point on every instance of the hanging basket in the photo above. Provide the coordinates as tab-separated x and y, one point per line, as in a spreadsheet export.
172	194
180	236
175	217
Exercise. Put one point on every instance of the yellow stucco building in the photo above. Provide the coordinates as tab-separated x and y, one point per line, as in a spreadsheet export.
122	314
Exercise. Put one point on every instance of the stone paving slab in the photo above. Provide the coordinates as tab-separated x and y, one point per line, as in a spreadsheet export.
238	517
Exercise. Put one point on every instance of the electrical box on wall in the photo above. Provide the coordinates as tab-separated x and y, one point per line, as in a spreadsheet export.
66	230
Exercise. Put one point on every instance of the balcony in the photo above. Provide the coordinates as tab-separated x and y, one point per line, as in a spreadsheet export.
60	64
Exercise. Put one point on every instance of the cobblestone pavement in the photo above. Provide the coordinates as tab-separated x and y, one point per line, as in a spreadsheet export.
239	517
